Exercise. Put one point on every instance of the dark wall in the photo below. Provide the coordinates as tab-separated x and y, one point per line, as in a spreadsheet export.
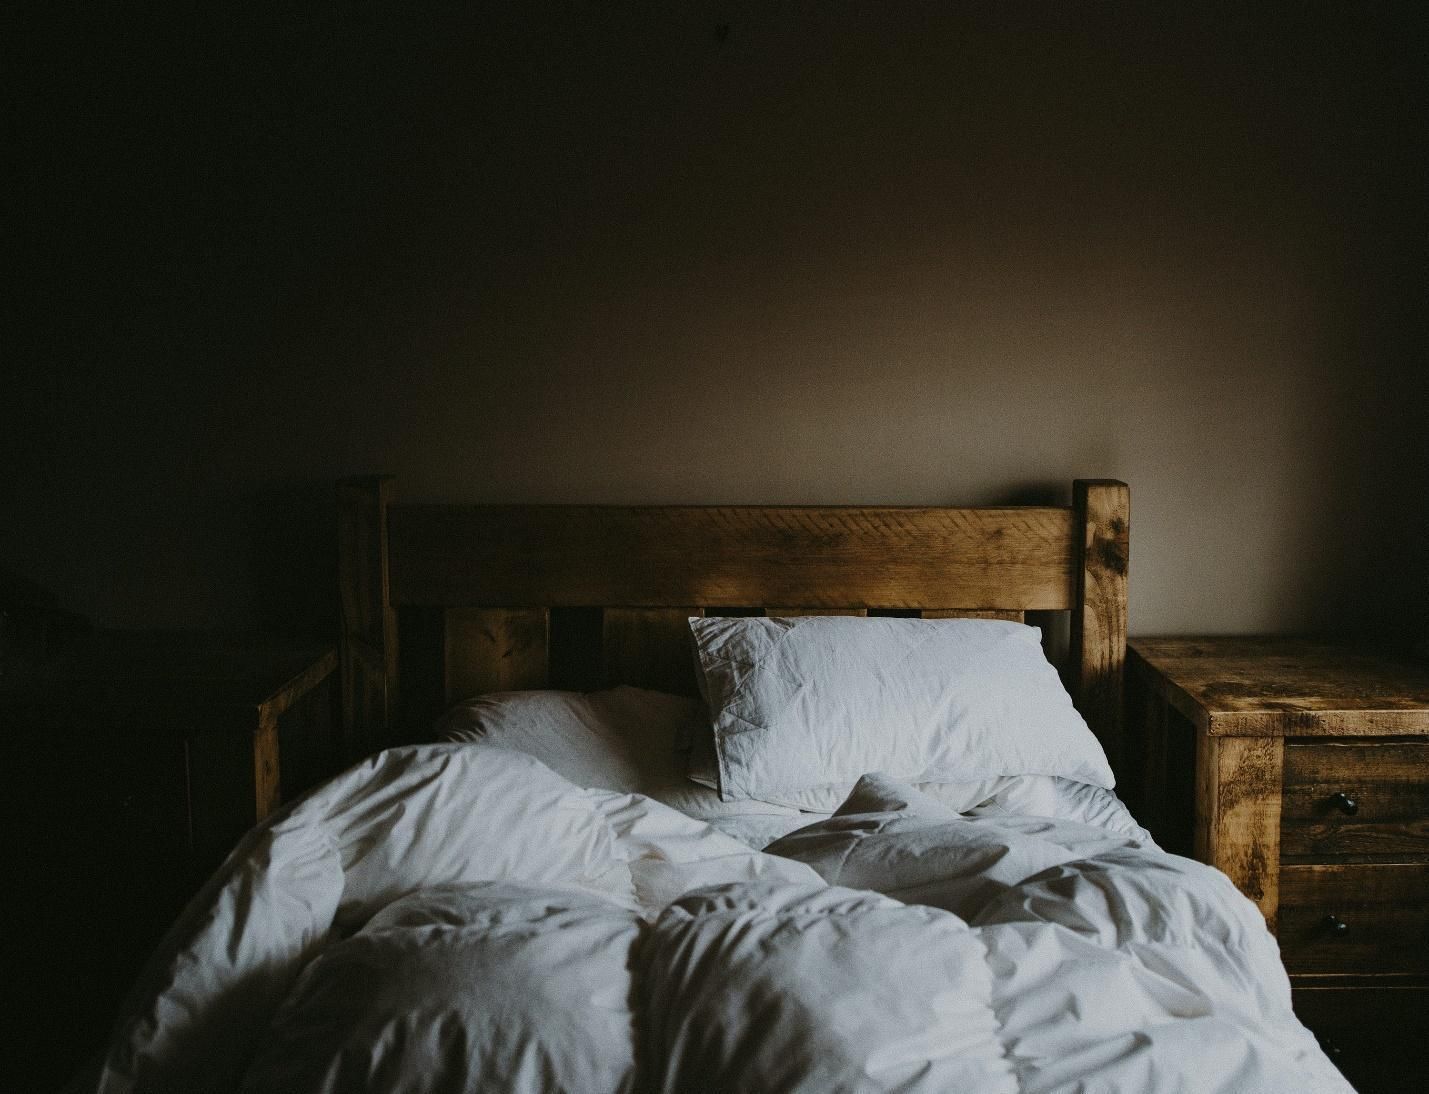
736	252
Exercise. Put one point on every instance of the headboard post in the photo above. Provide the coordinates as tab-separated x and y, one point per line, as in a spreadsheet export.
367	640
1102	509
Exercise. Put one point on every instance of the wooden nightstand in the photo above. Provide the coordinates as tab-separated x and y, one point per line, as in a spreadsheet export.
135	763
228	725
1300	769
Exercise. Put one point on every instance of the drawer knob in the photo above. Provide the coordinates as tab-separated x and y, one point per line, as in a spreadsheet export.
1335	925
1344	803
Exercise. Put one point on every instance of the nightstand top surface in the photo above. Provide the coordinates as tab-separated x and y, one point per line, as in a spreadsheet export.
180	670
1270	686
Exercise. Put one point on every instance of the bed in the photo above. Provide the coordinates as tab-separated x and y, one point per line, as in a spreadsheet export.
541	902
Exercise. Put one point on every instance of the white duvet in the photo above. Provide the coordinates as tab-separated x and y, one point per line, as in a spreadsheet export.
460	918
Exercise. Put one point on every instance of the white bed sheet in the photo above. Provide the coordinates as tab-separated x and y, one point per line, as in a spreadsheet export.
623	739
630	740
1041	955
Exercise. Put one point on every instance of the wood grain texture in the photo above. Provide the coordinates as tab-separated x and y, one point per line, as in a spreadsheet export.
966	613
1388	781
1289	687
577	658
668	556
1238	813
649	648
1102	509
301	683
798	613
267	793
494	649
367	639
1152	791
1265	809
309	743
1385	907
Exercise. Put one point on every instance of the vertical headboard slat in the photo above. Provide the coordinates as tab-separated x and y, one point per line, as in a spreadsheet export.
1098	639
494	649
367	638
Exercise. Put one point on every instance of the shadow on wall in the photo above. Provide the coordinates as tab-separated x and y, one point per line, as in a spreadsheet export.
292	557
864	254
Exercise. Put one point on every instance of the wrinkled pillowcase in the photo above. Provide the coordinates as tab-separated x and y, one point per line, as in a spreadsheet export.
800	708
703	768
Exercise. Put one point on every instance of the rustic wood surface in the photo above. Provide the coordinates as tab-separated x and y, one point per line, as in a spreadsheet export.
796	613
1382	906
267	793
1289	687
1238	814
1102	510
668	556
967	613
649	648
1309	825
494	649
367	639
1147	752
1387	781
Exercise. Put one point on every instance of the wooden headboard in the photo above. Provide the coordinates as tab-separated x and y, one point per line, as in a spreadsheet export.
496	597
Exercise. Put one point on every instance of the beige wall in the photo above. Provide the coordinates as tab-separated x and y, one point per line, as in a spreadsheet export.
834	258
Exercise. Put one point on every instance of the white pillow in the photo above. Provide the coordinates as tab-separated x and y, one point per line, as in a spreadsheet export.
624	739
812	703
703	768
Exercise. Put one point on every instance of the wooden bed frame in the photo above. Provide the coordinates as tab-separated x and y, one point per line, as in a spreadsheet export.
497	597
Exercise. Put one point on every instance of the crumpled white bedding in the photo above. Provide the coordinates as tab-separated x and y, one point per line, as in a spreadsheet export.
1016	796
460	918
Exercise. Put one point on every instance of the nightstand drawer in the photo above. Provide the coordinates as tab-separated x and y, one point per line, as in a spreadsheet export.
1355	797
1380	918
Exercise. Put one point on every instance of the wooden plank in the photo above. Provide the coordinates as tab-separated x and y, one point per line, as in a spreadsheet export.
494	649
308	745
796	613
1268	686
1238	813
302	682
1387	783
968	613
669	556
367	637
422	668
267	792
649	648
1150	731
1384	908
576	658
1102	509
